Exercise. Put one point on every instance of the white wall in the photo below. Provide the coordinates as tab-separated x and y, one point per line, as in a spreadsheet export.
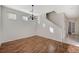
77	26
15	29
0	26
43	30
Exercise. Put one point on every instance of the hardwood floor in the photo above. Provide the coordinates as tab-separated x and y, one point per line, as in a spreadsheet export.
35	44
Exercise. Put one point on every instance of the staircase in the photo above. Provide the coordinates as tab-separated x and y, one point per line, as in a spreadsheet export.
59	20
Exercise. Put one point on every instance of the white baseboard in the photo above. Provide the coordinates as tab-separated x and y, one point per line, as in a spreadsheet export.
17	38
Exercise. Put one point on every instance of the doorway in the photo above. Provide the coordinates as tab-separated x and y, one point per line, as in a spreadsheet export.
71	28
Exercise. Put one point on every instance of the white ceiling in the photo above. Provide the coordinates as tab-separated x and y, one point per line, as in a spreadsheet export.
70	10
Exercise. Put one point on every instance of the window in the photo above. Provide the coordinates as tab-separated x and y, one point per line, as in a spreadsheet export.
51	30
25	18
12	16
38	21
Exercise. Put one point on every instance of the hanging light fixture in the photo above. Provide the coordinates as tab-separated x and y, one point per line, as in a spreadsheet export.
33	17
32	12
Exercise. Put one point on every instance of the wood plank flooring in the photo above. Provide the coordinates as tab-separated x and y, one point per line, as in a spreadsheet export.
35	44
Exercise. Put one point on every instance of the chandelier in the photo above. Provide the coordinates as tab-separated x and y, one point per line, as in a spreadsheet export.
33	17
32	12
